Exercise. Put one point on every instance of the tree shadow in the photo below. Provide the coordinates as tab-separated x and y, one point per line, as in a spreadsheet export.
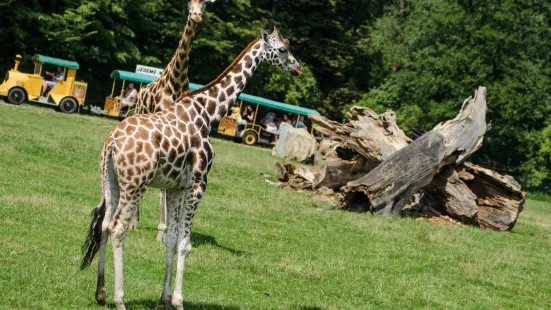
148	304
198	239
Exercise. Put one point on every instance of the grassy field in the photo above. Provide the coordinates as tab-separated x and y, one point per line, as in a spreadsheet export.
255	246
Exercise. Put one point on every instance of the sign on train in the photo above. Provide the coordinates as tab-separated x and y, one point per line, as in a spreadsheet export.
148	70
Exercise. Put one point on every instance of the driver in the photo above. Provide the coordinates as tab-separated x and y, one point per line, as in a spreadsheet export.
56	77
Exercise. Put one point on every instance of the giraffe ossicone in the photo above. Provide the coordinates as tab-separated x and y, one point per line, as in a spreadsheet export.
171	150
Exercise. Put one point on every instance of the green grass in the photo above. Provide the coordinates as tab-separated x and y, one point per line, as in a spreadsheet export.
255	246
539	196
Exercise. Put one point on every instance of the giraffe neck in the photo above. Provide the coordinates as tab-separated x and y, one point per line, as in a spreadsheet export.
176	72
219	95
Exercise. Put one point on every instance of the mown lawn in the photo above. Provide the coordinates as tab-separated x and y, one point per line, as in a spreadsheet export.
255	246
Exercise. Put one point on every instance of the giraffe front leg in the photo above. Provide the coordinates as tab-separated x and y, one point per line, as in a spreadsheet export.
192	198
161	229
173	199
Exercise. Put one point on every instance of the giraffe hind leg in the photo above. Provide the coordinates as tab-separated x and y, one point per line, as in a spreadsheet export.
173	201
118	227
112	192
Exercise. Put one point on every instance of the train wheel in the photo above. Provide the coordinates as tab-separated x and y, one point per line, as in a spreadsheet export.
16	96
250	138
68	105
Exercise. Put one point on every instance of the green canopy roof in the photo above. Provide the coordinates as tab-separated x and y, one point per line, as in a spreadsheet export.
56	61
131	76
268	103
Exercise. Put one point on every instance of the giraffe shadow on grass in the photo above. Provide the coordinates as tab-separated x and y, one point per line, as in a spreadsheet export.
198	239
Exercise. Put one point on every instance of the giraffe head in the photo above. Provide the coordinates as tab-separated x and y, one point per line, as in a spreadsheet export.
196	9
277	52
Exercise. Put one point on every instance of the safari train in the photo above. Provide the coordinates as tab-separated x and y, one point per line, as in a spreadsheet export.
247	122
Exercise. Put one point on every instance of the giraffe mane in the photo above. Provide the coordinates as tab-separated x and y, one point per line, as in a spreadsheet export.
224	73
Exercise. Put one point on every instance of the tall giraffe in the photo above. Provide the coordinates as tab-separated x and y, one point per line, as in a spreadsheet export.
172	83
174	80
171	150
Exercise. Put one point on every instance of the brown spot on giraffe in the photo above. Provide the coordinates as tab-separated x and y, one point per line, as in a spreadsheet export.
201	101
238	79
237	69
225	82
213	91
230	90
248	62
211	107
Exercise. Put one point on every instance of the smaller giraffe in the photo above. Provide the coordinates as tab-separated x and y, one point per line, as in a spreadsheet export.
169	150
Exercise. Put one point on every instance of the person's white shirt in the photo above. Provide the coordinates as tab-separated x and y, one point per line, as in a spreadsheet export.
130	99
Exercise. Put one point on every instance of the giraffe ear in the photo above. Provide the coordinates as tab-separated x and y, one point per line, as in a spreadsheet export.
265	37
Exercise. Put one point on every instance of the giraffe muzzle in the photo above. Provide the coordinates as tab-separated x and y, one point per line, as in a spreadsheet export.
197	18
297	70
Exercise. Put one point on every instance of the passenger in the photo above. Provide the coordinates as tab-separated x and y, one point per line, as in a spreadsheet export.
128	100
300	123
56	77
286	119
269	119
248	114
236	115
271	127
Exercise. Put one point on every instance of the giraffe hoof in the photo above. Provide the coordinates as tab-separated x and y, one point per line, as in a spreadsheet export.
133	225
100	298
161	236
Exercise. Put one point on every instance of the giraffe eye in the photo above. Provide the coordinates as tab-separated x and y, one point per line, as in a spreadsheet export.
282	50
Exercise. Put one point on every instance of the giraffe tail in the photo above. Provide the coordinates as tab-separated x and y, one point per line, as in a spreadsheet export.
92	242
93	238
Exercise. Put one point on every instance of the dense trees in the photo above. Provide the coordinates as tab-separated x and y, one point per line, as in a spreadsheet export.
417	57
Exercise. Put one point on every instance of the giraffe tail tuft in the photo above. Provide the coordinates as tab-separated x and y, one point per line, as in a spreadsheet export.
92	241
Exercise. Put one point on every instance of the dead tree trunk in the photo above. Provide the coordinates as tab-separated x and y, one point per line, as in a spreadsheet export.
463	191
388	187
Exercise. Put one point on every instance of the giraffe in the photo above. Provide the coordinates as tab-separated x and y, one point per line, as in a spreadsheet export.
173	81
170	150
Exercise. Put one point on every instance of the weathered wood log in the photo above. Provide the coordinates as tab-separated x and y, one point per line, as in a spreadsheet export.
471	195
362	144
296	177
500	199
454	195
388	187
373	136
